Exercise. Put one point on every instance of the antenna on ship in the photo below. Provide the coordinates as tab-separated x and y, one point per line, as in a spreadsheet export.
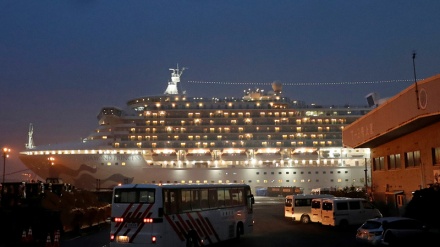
30	144
175	79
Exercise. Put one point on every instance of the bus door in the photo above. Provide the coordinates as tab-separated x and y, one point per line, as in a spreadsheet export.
171	209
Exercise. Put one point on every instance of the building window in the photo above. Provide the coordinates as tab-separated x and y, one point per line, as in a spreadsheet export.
393	161
412	159
436	156
379	163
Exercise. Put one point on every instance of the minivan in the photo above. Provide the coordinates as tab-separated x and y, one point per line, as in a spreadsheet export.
298	207
343	211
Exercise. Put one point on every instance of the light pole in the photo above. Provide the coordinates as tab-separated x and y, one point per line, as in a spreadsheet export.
5	155
51	161
366	178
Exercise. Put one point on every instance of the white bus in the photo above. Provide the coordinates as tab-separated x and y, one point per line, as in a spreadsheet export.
180	214
319	191
299	207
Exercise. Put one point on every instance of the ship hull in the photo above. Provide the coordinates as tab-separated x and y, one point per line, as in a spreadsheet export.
104	171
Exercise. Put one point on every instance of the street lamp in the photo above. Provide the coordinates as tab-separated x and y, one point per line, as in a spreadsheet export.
5	155
51	161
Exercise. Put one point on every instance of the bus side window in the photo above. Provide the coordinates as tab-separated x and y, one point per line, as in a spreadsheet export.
185	202
166	201
172	204
228	199
204	203
212	194
195	199
220	197
236	196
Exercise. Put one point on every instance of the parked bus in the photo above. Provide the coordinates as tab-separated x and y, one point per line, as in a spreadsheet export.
298	207
180	214
319	191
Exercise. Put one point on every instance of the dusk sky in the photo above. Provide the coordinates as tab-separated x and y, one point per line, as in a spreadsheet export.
62	61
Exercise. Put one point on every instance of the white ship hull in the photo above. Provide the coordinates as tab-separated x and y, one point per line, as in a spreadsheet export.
102	171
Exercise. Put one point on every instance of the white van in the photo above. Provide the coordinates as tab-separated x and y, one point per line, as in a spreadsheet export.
343	211
298	207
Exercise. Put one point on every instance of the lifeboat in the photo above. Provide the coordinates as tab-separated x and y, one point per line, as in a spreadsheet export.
304	154
164	155
272	154
234	155
199	155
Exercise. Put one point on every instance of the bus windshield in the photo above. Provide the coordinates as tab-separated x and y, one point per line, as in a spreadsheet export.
134	196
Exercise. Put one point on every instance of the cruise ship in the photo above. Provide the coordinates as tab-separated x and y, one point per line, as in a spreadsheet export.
261	138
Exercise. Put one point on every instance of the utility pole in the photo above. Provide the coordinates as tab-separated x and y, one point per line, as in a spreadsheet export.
415	79
5	155
366	179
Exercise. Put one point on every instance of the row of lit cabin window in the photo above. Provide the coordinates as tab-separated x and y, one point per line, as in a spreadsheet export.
229	144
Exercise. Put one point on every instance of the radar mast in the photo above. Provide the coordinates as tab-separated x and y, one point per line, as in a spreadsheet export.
175	79
30	144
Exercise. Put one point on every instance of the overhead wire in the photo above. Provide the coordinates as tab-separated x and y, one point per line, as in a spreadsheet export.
303	83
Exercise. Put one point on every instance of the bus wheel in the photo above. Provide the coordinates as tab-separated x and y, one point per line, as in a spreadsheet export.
305	219
192	240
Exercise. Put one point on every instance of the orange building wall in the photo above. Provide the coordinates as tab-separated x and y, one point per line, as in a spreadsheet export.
413	178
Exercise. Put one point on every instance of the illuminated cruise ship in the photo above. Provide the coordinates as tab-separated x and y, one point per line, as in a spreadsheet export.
262	139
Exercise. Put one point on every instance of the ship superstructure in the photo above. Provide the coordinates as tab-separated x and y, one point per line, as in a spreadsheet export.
262	138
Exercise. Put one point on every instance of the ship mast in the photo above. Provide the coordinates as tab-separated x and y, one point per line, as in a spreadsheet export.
30	144
175	78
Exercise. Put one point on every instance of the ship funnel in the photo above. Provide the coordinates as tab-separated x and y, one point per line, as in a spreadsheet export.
277	87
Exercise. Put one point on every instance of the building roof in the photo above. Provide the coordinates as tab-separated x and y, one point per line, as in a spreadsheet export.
414	108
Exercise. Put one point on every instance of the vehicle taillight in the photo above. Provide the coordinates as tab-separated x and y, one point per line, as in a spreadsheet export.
119	219
112	237
148	220
153	239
